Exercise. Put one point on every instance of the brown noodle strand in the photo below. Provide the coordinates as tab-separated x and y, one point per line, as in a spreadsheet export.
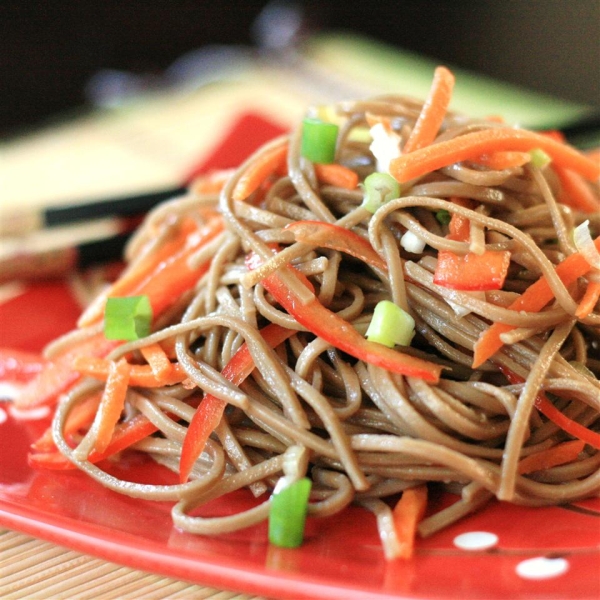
369	434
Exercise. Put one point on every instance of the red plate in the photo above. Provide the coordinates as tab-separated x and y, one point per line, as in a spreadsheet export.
546	553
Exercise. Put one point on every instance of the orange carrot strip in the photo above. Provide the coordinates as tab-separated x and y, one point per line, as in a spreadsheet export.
140	375
266	165
125	434
487	141
112	403
336	174
594	154
589	300
81	416
159	362
433	112
499	161
408	512
129	280
551	457
174	276
576	192
58	375
533	299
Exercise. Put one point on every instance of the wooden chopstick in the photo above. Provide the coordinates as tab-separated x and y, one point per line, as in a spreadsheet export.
21	222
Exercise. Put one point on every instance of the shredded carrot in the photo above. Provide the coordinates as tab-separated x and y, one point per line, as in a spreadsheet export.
159	362
499	161
140	375
575	191
433	112
125	434
81	416
589	300
594	154
408	512
488	141
264	166
111	404
551	457
336	174
58	376
533	299
131	279
174	276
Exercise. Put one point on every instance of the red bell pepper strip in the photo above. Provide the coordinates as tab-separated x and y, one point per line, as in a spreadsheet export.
335	237
558	418
472	272
209	412
533	299
340	333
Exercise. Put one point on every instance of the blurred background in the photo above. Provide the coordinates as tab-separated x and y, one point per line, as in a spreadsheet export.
51	52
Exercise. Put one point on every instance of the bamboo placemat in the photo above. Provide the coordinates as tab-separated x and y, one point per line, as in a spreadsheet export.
33	569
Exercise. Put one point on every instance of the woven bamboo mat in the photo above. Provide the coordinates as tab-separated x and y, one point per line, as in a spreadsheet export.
33	569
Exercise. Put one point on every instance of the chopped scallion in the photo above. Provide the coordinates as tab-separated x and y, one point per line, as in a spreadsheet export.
379	188
287	514
319	139
539	158
443	216
127	318
390	325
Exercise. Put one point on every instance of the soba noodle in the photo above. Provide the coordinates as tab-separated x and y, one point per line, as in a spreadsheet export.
368	433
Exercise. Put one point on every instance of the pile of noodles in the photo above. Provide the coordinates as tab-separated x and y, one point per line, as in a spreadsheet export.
366	433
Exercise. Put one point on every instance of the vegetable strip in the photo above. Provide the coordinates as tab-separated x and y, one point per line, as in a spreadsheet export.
408	512
487	141
433	112
341	334
209	413
535	297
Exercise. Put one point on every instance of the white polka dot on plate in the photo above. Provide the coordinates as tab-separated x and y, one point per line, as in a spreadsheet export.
476	540
542	567
3	416
31	414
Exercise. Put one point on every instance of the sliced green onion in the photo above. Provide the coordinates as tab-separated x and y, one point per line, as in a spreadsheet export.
128	318
318	140
390	325
539	158
287	514
443	216
379	188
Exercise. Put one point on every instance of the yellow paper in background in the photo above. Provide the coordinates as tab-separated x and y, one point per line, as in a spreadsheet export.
151	142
